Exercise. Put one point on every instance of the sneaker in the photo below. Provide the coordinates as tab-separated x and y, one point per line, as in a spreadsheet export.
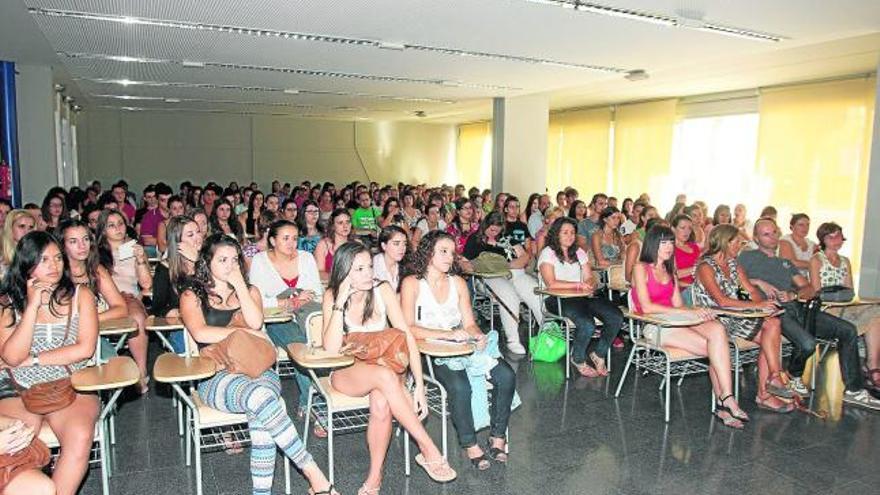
516	348
797	386
861	398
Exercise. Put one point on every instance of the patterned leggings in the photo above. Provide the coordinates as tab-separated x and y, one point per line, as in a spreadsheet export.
260	399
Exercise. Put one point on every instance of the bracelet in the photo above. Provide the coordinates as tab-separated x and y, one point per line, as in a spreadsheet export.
336	308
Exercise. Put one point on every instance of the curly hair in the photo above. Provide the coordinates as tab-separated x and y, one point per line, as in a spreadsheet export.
201	282
416	263
553	239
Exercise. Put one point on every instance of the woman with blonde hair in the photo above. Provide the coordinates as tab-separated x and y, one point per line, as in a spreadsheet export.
18	224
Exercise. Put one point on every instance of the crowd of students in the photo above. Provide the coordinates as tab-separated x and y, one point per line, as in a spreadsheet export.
394	256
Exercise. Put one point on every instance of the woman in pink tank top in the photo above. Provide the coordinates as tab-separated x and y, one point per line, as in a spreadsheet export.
655	290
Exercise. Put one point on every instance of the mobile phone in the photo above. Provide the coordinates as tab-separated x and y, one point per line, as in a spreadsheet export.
289	292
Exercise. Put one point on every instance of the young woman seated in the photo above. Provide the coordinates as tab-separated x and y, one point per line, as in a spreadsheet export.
719	282
829	268
393	246
655	290
354	302
437	305
215	302
687	253
48	328
519	288
126	262
563	265
607	243
184	241
338	232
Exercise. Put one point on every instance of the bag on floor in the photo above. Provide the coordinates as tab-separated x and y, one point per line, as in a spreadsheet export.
548	345
243	353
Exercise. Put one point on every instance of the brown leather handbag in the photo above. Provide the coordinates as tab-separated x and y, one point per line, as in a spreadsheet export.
243	353
48	397
386	348
34	456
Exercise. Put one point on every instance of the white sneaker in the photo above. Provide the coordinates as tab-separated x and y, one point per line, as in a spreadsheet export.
797	386
861	398
516	348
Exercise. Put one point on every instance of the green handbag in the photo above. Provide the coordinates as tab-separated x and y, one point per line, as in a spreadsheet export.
549	344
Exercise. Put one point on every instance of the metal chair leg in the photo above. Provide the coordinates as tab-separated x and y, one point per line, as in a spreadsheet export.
629	361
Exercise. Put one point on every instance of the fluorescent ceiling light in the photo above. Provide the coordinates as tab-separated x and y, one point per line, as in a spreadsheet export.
323	38
192	65
661	19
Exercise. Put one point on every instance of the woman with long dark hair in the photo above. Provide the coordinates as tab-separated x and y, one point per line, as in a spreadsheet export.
393	244
338	232
54	210
564	265
437	305
215	302
222	222
353	303
310	229
48	329
249	218
126	262
655	290
463	225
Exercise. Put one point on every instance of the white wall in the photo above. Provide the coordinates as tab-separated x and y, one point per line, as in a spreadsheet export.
146	147
35	103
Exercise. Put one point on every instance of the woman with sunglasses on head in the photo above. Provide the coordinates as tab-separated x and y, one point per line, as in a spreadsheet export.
355	303
126	262
48	329
215	302
655	290
437	305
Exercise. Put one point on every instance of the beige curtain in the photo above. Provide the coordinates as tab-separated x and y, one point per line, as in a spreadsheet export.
577	151
814	147
473	156
642	147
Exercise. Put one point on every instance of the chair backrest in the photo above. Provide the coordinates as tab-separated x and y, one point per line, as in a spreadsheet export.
315	329
616	276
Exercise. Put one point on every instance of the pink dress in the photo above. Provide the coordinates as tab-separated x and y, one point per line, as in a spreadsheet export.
659	292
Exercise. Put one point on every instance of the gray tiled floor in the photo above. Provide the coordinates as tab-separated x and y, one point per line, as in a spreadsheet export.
573	438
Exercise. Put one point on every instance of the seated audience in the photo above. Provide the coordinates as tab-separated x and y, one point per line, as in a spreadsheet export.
509	293
563	265
430	222
534	216
176	208
222	222
126	262
393	246
310	228
655	290
722	281
463	225
590	223
437	305
215	302
796	246
781	281
355	303
687	253
607	245
48	329
829	268
338	232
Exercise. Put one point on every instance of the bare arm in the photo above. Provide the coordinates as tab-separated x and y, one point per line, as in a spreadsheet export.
108	290
630	259
815	266
787	251
395	317
333	333
596	245
321	251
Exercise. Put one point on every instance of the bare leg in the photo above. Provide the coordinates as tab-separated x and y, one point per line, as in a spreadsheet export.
75	427
363	379
32	482
765	366
378	437
138	342
872	344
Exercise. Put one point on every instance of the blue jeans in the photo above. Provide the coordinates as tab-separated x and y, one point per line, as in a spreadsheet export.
582	311
282	334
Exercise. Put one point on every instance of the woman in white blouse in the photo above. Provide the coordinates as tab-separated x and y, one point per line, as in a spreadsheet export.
288	279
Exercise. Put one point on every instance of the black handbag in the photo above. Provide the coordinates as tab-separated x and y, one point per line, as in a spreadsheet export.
837	293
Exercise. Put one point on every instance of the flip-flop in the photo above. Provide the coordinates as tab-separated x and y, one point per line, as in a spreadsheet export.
434	469
787	408
585	370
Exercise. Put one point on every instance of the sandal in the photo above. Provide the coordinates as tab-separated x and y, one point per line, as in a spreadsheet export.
363	490
762	404
438	470
496	454
719	405
319	431
585	369
727	419
329	491
780	390
599	364
480	463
